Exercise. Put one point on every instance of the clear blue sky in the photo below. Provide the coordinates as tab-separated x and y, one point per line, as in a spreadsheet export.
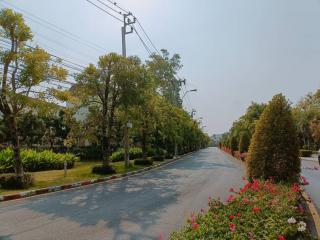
233	51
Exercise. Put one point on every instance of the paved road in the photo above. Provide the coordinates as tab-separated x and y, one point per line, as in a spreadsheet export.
311	170
141	207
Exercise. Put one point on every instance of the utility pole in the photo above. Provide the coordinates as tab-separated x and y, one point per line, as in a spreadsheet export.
193	112
127	22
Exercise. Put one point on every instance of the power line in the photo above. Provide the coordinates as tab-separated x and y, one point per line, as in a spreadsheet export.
78	66
56	28
139	23
145	33
109	7
110	14
143	43
116	4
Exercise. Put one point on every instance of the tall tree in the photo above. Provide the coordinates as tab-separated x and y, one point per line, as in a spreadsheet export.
164	69
24	69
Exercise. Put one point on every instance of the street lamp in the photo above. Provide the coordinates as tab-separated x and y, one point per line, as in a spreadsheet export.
192	90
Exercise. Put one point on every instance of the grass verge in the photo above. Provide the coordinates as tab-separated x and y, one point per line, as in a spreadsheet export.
80	172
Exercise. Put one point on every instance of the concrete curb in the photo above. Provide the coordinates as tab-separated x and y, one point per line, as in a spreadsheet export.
313	211
42	191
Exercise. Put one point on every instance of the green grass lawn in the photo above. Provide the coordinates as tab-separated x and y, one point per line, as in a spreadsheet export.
80	172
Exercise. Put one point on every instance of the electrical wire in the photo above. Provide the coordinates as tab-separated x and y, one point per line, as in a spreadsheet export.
143	43
145	33
110	14
55	28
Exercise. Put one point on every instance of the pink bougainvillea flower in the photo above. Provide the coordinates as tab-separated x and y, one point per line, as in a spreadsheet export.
230	198
231	217
244	178
256	209
245	200
232	227
161	236
231	190
281	237
304	180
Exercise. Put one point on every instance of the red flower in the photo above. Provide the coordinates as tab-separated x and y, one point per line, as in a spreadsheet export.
195	226
232	227
231	190
255	185
231	217
295	187
238	215
281	237
256	209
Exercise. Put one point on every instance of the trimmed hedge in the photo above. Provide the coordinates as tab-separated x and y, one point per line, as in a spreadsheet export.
118	155
305	153
88	153
159	158
103	170
274	148
12	181
143	162
34	161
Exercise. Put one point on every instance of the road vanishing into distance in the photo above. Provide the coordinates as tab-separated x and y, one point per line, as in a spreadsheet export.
311	170
146	206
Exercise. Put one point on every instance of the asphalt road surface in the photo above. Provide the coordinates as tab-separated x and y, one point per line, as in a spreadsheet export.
311	170
147	206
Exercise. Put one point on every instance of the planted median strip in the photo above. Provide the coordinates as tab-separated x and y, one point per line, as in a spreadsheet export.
53	181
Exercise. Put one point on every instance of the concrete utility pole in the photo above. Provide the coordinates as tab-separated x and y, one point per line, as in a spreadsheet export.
127	22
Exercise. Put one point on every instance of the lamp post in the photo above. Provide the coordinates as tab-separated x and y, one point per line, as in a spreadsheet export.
192	90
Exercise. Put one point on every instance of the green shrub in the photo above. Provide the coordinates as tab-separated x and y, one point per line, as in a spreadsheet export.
260	211
89	153
244	142
274	149
103	170
169	156
135	153
34	161
146	162
118	155
158	158
12	181
305	153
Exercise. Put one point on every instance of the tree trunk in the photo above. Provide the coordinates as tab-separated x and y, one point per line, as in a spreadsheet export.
104	139
126	139
144	144
15	146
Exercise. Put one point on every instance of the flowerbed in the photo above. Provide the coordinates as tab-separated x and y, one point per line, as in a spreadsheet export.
34	161
261	210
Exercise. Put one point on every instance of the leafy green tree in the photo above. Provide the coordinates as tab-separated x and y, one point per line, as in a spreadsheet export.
164	69
274	150
24	69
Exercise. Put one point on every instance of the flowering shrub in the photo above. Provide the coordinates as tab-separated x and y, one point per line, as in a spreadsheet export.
260	210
